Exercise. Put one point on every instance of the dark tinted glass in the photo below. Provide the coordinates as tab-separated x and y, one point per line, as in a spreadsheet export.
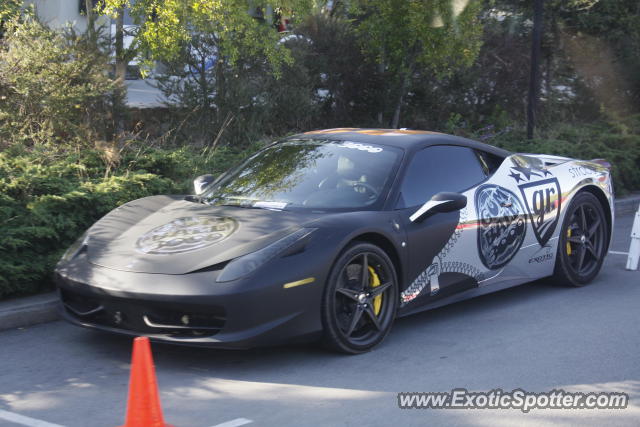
439	168
490	162
314	174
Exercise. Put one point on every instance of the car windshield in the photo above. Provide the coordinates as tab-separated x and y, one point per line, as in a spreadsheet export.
309	174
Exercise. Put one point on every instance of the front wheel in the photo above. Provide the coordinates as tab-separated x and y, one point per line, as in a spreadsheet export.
583	241
360	299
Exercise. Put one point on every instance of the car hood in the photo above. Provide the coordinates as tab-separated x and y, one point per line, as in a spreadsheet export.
169	235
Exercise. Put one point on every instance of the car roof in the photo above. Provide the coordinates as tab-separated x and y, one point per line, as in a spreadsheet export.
403	138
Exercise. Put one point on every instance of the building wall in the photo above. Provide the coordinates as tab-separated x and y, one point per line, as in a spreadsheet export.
57	13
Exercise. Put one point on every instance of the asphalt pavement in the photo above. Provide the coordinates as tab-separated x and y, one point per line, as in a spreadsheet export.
536	337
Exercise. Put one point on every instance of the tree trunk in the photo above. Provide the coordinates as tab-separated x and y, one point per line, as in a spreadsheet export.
220	91
534	78
381	111
403	88
550	51
121	63
91	20
548	74
120	70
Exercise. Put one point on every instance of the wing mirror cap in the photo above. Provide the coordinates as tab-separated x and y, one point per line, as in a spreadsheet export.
202	182
439	203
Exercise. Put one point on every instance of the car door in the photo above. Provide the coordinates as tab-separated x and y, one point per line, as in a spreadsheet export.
432	272
517	211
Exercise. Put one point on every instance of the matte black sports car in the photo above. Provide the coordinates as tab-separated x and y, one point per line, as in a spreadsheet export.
334	234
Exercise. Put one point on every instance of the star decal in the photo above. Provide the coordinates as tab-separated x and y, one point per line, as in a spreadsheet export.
515	176
527	172
546	172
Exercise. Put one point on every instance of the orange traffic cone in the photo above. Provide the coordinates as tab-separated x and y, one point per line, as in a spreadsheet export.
143	406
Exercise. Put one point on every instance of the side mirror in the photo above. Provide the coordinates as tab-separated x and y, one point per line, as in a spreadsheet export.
441	202
201	182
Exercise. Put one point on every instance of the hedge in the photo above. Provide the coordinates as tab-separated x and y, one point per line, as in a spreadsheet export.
47	200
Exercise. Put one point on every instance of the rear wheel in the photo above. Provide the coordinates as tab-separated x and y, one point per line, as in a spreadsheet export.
360	299
583	241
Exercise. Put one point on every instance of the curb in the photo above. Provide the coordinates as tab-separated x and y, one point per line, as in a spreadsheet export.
627	204
28	311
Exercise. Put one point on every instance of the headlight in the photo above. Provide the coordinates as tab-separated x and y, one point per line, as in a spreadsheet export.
76	247
246	264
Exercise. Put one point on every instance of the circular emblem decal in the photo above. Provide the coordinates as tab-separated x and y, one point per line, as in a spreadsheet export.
502	225
186	234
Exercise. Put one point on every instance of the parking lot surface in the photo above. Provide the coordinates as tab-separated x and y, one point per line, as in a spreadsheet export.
536	337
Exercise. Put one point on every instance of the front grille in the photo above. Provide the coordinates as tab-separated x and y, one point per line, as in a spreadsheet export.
145	317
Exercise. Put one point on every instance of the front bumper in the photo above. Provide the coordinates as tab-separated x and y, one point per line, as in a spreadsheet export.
192	309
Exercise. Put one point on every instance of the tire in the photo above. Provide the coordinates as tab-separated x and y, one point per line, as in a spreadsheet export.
583	242
358	310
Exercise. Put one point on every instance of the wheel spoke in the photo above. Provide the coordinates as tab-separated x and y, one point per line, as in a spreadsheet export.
345	275
349	293
372	316
594	227
364	295
583	219
592	249
364	279
584	239
378	290
354	320
581	253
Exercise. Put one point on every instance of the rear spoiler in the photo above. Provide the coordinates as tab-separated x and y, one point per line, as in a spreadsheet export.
602	162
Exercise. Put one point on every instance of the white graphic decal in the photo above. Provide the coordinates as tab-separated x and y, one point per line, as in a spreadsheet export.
542	199
501	225
361	147
431	275
186	234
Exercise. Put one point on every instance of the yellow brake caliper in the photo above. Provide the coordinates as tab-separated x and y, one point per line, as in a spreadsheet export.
568	243
374	281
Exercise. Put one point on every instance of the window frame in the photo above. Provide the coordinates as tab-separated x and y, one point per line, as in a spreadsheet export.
483	163
399	198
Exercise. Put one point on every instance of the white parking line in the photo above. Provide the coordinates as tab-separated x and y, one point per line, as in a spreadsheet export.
618	253
234	423
26	421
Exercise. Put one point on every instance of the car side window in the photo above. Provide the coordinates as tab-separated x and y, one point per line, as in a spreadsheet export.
439	168
490	162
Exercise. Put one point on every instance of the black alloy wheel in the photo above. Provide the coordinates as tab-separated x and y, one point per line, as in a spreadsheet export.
583	241
360	299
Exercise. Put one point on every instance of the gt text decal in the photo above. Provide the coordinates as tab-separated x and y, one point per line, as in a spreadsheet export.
542	199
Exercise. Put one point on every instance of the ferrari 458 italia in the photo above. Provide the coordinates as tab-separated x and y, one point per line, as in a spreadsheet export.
333	234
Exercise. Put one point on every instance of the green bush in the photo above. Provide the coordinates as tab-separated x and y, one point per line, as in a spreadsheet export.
617	143
53	86
48	199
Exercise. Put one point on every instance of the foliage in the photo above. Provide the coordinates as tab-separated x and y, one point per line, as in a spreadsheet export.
608	36
165	27
214	102
53	86
435	37
345	88
473	93
48	198
617	142
440	35
9	9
